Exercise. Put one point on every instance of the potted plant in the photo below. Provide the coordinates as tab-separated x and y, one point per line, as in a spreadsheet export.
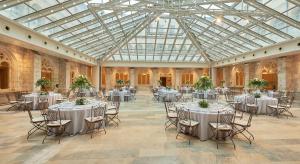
203	104
258	83
203	83
44	84
120	83
80	83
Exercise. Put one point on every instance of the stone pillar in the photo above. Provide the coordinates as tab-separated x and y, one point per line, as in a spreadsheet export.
68	75
246	75
96	78
177	78
155	77
108	78
281	68
37	70
214	75
258	70
132	76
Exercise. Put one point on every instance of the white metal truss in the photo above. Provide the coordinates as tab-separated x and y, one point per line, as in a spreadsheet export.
124	30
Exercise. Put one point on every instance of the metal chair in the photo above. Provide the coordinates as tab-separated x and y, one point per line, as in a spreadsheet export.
185	123
55	124
96	119
242	126
37	122
171	115
223	128
43	104
112	114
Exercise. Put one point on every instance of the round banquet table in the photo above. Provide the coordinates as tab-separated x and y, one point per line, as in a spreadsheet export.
169	93
262	102
204	116
121	93
76	113
34	97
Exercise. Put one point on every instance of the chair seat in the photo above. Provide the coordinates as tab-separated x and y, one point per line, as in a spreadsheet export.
57	123
173	109
94	119
111	112
188	122
26	102
172	115
13	102
275	106
221	126
38	119
252	105
242	123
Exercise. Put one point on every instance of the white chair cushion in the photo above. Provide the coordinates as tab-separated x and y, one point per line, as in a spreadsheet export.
188	122
57	123
221	126
94	119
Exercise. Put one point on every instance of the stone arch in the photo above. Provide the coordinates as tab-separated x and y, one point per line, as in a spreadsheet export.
8	59
47	69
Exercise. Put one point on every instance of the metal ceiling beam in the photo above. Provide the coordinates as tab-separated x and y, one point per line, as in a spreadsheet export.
263	25
10	3
296	2
165	41
179	11
274	13
50	10
131	35
193	40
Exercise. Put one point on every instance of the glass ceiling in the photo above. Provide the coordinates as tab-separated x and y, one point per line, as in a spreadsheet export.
160	31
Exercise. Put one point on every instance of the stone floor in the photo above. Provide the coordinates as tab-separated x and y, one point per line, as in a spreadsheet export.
141	138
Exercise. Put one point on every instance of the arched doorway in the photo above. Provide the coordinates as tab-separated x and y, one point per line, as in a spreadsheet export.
4	75
47	70
269	74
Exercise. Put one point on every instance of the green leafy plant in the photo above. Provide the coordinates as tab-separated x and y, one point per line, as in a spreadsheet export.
203	83
257	95
120	82
80	101
203	104
43	83
168	88
81	82
258	83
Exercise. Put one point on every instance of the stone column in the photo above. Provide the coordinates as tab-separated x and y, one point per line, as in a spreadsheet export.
258	70
155	77
214	75
68	75
246	75
96	78
177	77
37	70
132	76
281	68
108	78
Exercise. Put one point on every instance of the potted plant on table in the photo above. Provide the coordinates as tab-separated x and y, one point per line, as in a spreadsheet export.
44	84
257	84
204	83
120	83
80	83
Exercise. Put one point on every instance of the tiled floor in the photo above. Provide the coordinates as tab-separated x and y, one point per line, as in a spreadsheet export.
141	138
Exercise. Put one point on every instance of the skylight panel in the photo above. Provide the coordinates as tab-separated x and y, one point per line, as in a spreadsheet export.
78	8
59	15
37	22
16	11
41	4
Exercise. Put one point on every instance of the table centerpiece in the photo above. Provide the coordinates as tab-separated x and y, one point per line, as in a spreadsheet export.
44	84
257	84
203	83
80	83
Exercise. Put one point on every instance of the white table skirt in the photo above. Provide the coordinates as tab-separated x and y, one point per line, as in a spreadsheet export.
75	113
170	94
205	116
262	102
34	97
121	93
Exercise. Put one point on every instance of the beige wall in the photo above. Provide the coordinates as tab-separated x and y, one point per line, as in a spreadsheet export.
25	65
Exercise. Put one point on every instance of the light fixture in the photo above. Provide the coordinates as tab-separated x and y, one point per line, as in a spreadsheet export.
218	20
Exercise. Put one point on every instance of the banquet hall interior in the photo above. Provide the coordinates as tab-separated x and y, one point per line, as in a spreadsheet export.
149	81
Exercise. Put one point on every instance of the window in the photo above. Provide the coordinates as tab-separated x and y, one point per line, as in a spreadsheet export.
187	79
144	79
4	75
239	78
122	76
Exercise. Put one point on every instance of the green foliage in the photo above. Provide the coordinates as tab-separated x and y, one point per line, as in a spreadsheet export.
203	83
120	82
80	101
258	83
43	83
81	82
257	95
203	104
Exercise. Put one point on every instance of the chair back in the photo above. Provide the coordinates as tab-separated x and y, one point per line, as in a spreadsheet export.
116	98
52	115
283	101
29	114
184	115
252	111
229	96
291	101
225	117
43	103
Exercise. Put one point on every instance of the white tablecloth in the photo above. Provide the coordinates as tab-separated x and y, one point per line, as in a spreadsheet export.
262	102
204	116
186	89
34	97
205	94
75	113
121	93
169	93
